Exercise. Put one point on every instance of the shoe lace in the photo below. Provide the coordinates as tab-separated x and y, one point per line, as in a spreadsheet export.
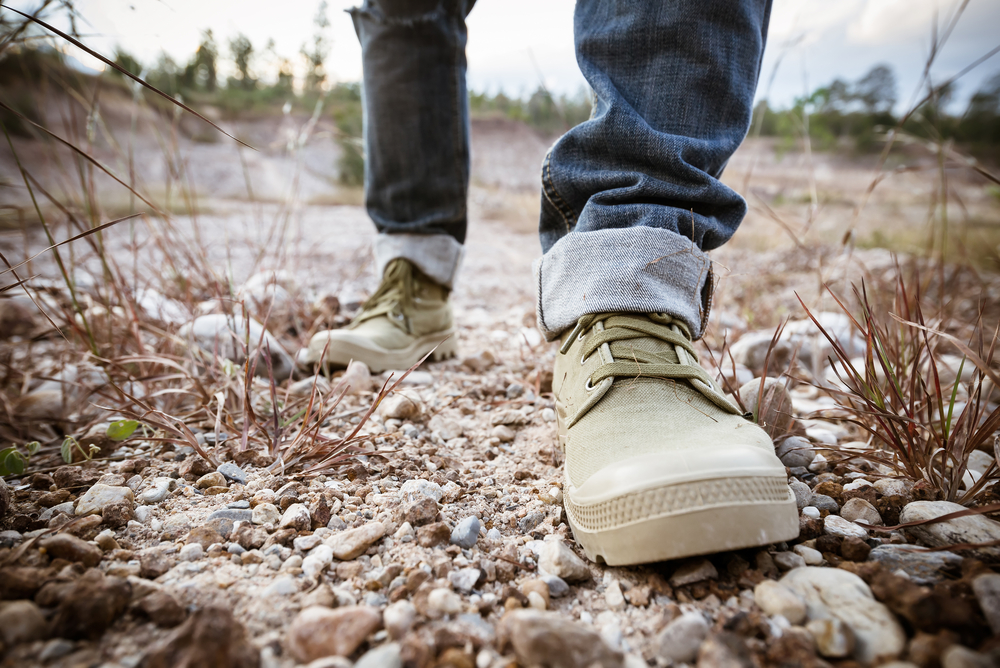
636	345
393	298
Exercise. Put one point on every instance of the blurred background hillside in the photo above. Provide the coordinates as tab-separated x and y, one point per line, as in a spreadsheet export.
910	105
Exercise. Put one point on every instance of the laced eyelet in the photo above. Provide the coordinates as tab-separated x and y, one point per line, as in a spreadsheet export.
579	337
583	360
588	386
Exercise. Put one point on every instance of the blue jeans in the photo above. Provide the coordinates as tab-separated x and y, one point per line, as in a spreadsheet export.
631	199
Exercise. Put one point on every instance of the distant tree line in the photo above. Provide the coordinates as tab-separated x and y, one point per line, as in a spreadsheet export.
858	114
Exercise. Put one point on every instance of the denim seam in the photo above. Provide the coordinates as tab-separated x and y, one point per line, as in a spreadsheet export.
463	212
548	185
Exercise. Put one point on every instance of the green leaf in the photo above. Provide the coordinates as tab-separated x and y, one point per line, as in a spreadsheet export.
14	462
122	429
67	450
3	456
32	447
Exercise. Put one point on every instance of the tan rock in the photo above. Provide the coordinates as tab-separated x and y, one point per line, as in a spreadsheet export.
99	496
352	543
557	559
21	621
775	407
210	637
317	632
71	548
836	593
549	639
213	479
776	599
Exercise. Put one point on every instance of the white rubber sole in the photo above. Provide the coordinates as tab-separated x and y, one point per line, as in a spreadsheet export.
681	504
348	347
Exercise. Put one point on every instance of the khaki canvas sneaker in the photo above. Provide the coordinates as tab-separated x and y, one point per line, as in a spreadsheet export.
659	464
407	317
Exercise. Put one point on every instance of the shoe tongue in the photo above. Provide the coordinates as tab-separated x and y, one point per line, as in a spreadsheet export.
644	348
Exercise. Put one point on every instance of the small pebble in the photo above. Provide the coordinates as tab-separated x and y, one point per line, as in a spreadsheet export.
232	472
466	533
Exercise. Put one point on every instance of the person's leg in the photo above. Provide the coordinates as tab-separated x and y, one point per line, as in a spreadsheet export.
416	125
632	197
416	130
659	463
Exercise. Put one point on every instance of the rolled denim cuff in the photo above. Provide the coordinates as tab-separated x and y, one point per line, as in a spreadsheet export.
632	269
437	255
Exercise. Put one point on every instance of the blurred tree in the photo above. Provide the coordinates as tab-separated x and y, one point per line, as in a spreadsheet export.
201	73
164	75
242	51
316	54
127	61
284	78
877	90
980	124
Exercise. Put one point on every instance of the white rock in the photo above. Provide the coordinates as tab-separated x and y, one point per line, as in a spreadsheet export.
802	493
680	640
503	433
834	639
445	427
283	586
464	579
296	517
417	487
613	596
357	378
776	599
99	496
858	509
224	335
957	656
160	307
404	532
811	512
838	526
306	543
892	487
265	513
400	406
979	462
968	529
304	387
316	561
809	555
398	618
860	483
441	602
192	552
832	592
557	559
158	490
987	589
819	463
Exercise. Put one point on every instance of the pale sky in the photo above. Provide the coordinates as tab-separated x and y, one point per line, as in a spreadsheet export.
513	44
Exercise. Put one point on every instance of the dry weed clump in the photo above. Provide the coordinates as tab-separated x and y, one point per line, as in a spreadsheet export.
924	391
113	344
